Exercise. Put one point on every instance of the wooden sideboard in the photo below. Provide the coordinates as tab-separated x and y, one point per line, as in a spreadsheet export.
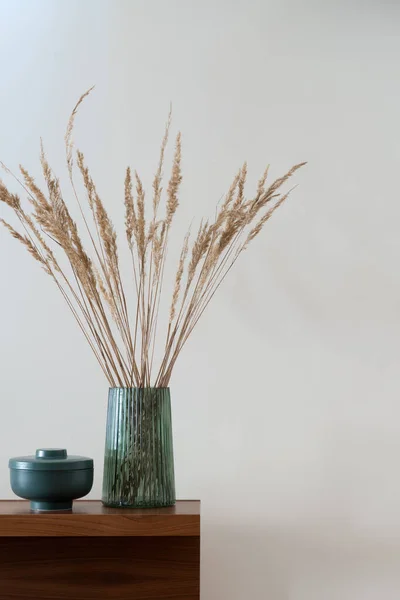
96	553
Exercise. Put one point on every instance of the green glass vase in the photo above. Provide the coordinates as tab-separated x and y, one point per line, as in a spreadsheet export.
138	458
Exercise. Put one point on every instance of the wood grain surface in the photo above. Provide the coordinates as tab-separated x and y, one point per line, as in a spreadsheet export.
135	568
92	519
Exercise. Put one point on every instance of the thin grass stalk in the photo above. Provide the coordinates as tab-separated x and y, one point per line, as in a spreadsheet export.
120	308
69	148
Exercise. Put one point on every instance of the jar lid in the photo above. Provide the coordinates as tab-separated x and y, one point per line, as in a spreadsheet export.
51	459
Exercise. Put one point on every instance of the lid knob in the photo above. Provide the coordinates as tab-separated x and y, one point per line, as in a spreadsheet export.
51	453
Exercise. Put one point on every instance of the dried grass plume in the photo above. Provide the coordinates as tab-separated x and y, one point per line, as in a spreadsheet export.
122	332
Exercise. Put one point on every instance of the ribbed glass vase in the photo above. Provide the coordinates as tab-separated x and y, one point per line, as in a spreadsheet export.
139	459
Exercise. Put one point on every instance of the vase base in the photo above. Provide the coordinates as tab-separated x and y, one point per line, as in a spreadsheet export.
138	504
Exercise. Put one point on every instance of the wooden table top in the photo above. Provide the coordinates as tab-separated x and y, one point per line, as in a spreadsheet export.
90	518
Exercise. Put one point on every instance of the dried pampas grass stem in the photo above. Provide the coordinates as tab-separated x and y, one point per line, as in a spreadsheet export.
123	334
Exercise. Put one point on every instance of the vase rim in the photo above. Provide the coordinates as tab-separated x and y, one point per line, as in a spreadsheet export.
139	388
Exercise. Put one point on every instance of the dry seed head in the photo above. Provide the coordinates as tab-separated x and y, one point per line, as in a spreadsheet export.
107	235
261	182
178	278
33	251
199	248
158	176
141	220
12	200
38	195
258	227
174	182
69	144
87	180
130	215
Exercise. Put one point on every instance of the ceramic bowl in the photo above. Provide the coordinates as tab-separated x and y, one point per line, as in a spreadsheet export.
51	479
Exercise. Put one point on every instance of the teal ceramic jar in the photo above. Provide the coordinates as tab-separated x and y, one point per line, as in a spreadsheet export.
51	479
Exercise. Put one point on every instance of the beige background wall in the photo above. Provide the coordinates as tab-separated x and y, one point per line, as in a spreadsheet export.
286	401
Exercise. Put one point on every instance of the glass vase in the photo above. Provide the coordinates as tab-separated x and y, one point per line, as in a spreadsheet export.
138	458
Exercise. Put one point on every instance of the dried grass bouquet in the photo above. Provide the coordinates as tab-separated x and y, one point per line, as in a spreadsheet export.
123	334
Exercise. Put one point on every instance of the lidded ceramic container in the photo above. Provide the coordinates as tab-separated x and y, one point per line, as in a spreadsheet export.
51	479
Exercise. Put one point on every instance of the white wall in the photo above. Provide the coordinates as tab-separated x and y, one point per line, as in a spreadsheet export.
286	408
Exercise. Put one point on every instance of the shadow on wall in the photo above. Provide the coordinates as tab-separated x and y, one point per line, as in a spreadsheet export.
319	561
